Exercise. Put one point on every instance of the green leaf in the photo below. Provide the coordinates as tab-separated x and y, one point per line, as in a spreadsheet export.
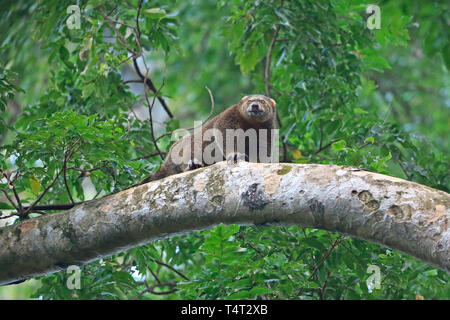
446	55
369	139
88	90
312	242
35	185
360	111
5	206
339	145
155	13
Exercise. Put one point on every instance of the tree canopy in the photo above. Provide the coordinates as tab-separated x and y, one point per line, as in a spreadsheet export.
75	124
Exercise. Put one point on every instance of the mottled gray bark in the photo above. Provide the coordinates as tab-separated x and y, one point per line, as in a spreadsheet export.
399	214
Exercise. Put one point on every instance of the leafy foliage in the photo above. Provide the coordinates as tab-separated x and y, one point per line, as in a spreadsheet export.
7	92
377	99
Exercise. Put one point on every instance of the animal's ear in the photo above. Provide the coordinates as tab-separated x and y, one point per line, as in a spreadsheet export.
272	102
244	98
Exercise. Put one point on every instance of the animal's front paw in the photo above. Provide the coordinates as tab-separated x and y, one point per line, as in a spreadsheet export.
194	164
235	157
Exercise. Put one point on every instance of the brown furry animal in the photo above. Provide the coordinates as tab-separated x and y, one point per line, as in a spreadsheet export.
210	144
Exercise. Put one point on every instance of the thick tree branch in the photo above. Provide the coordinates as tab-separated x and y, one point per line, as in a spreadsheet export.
398	214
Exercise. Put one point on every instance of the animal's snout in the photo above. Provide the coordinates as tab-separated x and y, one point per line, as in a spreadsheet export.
254	107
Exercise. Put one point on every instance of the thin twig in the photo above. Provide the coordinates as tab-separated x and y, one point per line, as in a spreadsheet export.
147	156
154	275
325	146
147	81
138	29
364	145
399	161
171	268
150	109
268	59
324	287
30	208
49	207
19	207
151	289
267	81
66	158
10	200
325	257
97	194
152	87
16	195
211	112
255	249
9	216
212	104
132	81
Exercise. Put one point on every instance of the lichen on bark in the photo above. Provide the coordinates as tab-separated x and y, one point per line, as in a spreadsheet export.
399	214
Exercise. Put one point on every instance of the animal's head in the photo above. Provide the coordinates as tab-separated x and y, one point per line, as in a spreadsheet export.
257	108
